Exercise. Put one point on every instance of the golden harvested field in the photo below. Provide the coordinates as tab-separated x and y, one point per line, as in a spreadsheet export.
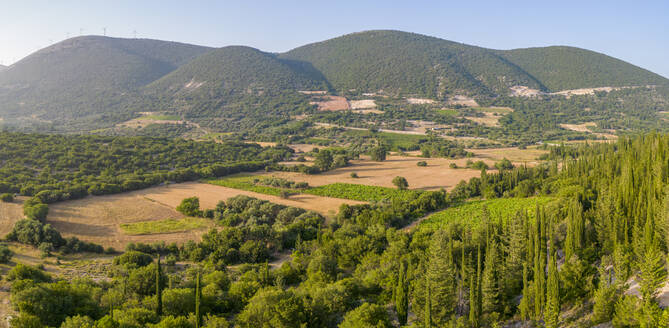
98	218
332	103
210	195
489	119
9	214
517	156
436	175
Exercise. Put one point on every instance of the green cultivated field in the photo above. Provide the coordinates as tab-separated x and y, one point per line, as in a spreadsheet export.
245	182
351	191
358	192
164	226
160	117
470	212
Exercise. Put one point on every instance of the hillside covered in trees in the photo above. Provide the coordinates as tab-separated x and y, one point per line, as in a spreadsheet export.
589	249
93	82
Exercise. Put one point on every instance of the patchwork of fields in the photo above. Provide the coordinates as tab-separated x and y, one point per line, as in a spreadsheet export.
149	215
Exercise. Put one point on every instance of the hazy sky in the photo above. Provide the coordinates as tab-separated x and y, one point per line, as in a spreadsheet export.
635	31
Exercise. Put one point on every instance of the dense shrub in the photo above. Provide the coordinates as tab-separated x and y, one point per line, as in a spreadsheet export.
133	259
6	197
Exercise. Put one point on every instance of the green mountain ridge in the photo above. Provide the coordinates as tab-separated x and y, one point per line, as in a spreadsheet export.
409	63
96	81
235	69
87	75
563	68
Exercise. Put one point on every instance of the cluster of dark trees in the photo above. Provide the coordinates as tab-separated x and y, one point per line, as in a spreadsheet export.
59	167
256	229
549	266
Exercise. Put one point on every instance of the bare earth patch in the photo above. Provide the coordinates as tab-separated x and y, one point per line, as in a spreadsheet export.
420	101
331	103
463	100
362	104
489	119
585	127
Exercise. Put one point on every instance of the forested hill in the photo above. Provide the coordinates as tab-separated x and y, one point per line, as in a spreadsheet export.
562	68
413	63
400	62
87	74
92	82
236	69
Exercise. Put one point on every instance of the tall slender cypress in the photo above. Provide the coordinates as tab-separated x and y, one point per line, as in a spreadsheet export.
198	296
475	294
552	311
159	290
428	303
402	295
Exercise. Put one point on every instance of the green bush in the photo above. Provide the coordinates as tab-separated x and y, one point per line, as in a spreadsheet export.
36	212
5	254
400	182
7	197
190	206
33	232
23	271
133	259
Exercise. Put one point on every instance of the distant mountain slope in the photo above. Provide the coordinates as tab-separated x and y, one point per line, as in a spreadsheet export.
561	68
86	75
235	70
410	63
93	82
2	68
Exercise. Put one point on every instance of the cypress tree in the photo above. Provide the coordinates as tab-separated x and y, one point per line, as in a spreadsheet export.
525	302
442	274
490	282
552	312
475	294
159	290
539	265
575	229
402	295
198	296
428	303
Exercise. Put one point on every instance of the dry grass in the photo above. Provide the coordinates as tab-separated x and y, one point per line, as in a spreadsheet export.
420	101
585	127
9	214
517	156
489	119
363	104
331	103
437	174
98	219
